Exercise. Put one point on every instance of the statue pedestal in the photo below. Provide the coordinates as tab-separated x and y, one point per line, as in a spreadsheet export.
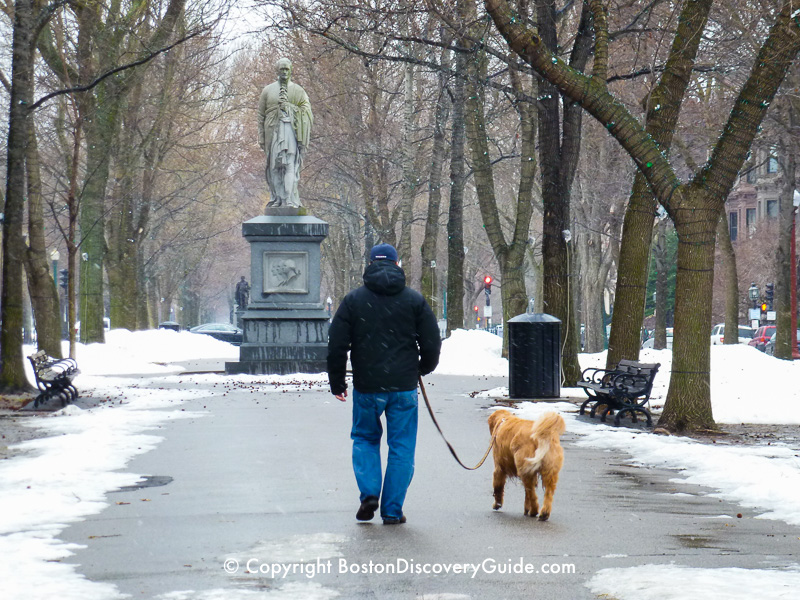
285	326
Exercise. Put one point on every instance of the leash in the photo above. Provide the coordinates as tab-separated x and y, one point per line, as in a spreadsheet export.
439	429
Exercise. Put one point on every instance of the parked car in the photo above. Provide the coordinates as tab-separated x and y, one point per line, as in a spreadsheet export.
718	334
761	337
648	343
770	346
221	331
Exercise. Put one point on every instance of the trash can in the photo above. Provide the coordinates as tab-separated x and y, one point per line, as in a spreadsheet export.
534	356
170	325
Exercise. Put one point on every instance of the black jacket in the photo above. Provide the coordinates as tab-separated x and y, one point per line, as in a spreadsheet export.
390	331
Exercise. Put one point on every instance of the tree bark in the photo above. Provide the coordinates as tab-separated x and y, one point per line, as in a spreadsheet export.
784	335
455	221
660	252
429	243
43	289
12	372
731	281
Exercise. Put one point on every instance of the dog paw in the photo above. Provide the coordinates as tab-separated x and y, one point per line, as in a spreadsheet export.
544	516
497	506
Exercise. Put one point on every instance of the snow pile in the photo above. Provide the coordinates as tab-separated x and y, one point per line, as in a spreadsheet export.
66	477
149	352
472	352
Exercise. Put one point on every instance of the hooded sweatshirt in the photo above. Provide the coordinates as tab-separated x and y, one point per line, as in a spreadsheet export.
389	330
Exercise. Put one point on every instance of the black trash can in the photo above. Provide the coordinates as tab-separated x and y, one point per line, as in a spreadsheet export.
170	325
534	356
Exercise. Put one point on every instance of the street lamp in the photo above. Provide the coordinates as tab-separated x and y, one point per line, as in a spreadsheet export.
753	293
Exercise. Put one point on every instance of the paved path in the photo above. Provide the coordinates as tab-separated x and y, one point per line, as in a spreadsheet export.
267	476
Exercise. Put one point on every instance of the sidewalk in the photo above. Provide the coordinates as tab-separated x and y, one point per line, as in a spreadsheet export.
264	478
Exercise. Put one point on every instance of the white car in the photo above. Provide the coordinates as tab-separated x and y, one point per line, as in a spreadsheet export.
648	343
718	334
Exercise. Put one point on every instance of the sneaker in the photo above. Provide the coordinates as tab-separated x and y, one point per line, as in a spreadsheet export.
367	509
390	521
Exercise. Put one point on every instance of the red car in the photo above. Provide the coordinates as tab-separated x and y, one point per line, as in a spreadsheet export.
761	337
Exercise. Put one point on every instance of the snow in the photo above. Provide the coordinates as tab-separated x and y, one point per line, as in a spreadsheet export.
472	352
140	382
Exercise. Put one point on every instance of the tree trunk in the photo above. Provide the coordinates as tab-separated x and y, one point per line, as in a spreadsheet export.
560	284
689	396
785	336
660	335
429	244
455	221
12	372
409	176
731	281
43	289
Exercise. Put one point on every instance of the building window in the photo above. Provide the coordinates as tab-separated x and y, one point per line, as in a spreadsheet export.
751	175
750	220
772	165
733	225
772	208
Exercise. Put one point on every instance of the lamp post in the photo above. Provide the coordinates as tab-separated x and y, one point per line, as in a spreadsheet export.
54	256
753	293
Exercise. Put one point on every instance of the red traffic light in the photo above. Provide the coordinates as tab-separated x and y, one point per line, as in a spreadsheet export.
475	308
487	280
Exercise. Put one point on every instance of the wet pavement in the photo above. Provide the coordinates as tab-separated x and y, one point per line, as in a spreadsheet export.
264	478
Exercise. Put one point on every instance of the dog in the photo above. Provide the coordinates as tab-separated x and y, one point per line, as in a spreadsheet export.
527	449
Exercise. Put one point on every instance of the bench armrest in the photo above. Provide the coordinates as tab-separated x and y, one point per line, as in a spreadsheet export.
595	375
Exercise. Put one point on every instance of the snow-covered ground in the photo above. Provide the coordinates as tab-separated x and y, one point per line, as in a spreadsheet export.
65	476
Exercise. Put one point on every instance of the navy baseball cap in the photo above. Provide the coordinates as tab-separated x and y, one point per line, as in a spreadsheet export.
383	252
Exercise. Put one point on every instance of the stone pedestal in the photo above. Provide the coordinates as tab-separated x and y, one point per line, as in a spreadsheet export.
285	325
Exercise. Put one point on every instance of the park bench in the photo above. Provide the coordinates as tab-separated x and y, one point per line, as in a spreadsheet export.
624	389
54	378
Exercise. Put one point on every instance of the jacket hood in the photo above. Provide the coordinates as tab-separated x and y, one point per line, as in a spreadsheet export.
385	278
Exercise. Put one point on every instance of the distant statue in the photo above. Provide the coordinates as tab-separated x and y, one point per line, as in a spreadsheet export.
242	294
284	129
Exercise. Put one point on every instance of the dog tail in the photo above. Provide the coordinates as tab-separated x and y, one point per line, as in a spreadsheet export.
545	430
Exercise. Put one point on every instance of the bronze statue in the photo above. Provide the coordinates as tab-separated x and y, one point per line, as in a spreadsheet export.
284	130
242	294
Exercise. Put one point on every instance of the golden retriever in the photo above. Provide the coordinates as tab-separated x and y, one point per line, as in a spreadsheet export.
527	449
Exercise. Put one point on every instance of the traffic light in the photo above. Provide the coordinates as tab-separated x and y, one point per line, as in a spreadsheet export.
63	278
763	307
487	284
475	308
770	293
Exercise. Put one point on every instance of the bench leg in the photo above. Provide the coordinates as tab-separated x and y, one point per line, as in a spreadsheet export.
586	403
633	410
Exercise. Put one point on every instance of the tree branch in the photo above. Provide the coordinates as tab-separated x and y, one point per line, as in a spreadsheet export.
98	80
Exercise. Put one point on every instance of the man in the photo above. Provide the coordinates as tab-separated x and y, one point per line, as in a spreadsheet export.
393	338
284	129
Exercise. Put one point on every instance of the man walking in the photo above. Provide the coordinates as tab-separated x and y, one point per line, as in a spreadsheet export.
393	338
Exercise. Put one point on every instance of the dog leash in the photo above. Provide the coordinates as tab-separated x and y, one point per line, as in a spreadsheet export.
439	429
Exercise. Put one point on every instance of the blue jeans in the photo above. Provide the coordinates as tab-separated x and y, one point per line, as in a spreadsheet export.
401	435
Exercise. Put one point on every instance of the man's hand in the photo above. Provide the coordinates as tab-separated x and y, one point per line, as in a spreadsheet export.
341	397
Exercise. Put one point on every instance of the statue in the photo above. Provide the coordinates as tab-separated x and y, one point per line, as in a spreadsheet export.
284	129
242	294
